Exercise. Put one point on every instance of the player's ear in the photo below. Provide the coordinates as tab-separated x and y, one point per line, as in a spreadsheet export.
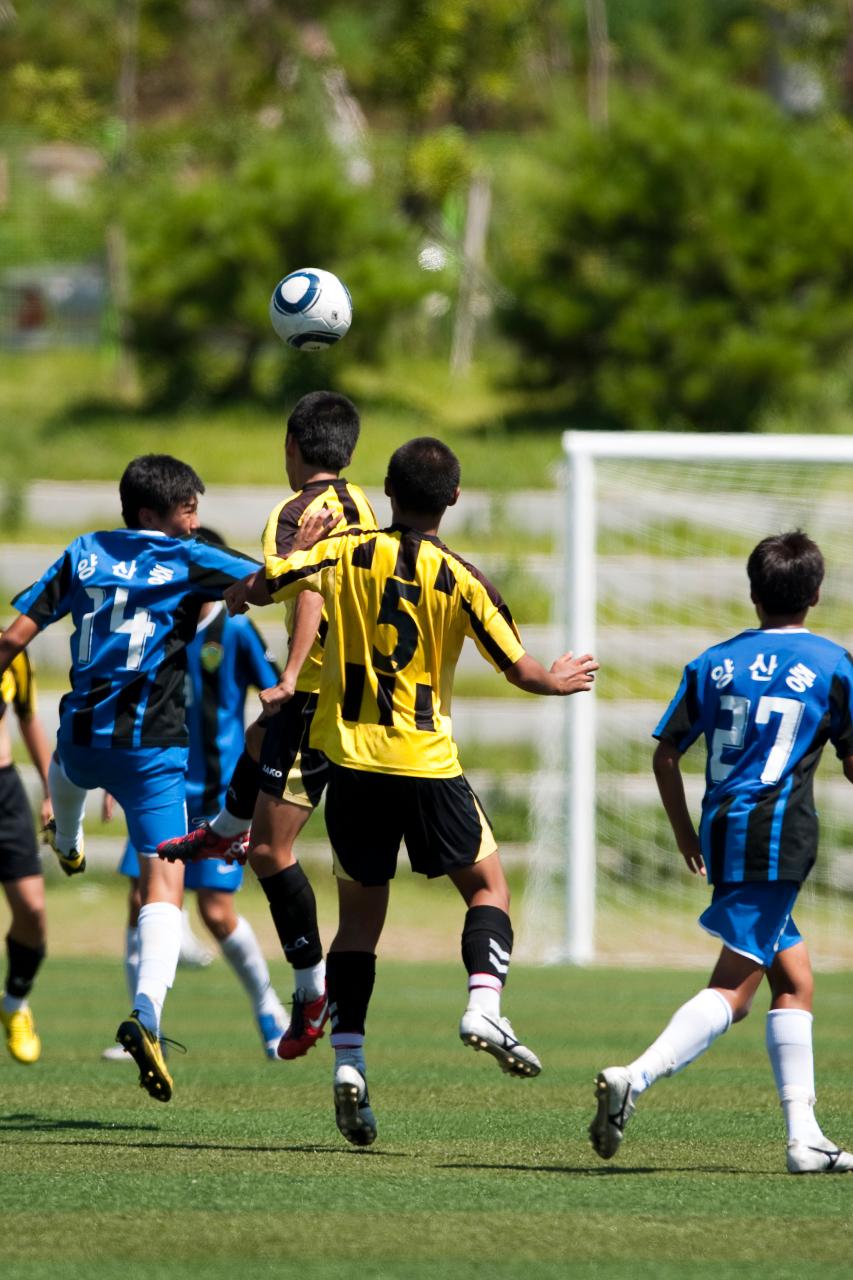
389	492
453	501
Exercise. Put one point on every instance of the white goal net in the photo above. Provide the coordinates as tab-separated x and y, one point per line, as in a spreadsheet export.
659	528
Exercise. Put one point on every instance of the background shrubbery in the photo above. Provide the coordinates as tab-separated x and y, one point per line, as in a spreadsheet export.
669	243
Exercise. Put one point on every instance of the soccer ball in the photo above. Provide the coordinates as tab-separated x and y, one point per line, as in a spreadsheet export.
310	309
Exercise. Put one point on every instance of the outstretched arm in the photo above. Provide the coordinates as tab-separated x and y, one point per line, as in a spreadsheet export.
15	638
306	620
251	590
667	767
567	675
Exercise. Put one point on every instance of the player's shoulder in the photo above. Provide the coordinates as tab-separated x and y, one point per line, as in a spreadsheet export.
121	552
720	648
832	654
470	577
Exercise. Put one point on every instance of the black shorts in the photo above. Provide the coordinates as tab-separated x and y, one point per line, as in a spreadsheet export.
19	855
368	814
290	768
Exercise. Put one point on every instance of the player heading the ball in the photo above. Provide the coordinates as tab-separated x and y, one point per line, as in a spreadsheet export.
400	604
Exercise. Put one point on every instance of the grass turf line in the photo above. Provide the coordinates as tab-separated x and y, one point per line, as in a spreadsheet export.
473	1174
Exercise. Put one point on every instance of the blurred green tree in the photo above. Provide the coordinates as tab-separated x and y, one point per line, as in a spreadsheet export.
690	267
201	250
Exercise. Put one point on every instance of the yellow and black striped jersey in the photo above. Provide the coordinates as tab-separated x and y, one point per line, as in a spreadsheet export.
285	519
18	687
400	605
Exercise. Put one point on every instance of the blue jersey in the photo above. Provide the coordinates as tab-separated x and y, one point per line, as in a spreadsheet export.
766	701
226	659
134	596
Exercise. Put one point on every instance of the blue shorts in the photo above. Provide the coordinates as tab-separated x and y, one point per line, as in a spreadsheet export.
207	873
754	918
148	782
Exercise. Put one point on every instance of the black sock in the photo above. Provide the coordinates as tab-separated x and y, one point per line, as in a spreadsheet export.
23	966
487	941
350	976
243	788
294	912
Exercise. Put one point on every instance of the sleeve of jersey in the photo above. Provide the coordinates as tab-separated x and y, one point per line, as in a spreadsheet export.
681	723
25	687
841	708
301	570
258	663
491	625
49	598
213	569
283	526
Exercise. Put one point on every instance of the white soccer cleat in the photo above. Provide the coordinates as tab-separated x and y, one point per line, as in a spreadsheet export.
497	1037
826	1158
615	1108
116	1053
353	1115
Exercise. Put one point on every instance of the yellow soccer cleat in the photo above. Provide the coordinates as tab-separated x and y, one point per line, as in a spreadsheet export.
144	1048
72	863
21	1039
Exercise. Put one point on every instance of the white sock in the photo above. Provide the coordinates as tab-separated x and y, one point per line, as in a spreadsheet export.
11	1004
484	993
789	1047
159	945
312	981
225	824
69	802
131	959
690	1031
349	1049
243	953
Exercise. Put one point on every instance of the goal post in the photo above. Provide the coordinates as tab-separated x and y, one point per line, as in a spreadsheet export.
658	527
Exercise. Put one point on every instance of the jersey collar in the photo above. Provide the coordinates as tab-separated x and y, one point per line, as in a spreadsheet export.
397	527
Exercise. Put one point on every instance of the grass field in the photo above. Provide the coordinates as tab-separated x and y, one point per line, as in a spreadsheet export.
60	418
473	1174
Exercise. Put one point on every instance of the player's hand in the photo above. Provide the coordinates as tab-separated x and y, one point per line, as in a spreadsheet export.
236	596
691	852
108	807
46	811
315	528
274	698
574	675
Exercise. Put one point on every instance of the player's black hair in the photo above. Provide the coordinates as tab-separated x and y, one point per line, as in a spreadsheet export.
158	481
206	534
325	425
785	572
424	475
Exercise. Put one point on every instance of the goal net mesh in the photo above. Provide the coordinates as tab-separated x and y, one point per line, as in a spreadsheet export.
671	545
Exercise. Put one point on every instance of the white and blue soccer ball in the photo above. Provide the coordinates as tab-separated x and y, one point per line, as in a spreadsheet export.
311	309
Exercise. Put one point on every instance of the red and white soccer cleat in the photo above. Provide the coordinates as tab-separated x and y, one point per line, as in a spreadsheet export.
307	1019
204	842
